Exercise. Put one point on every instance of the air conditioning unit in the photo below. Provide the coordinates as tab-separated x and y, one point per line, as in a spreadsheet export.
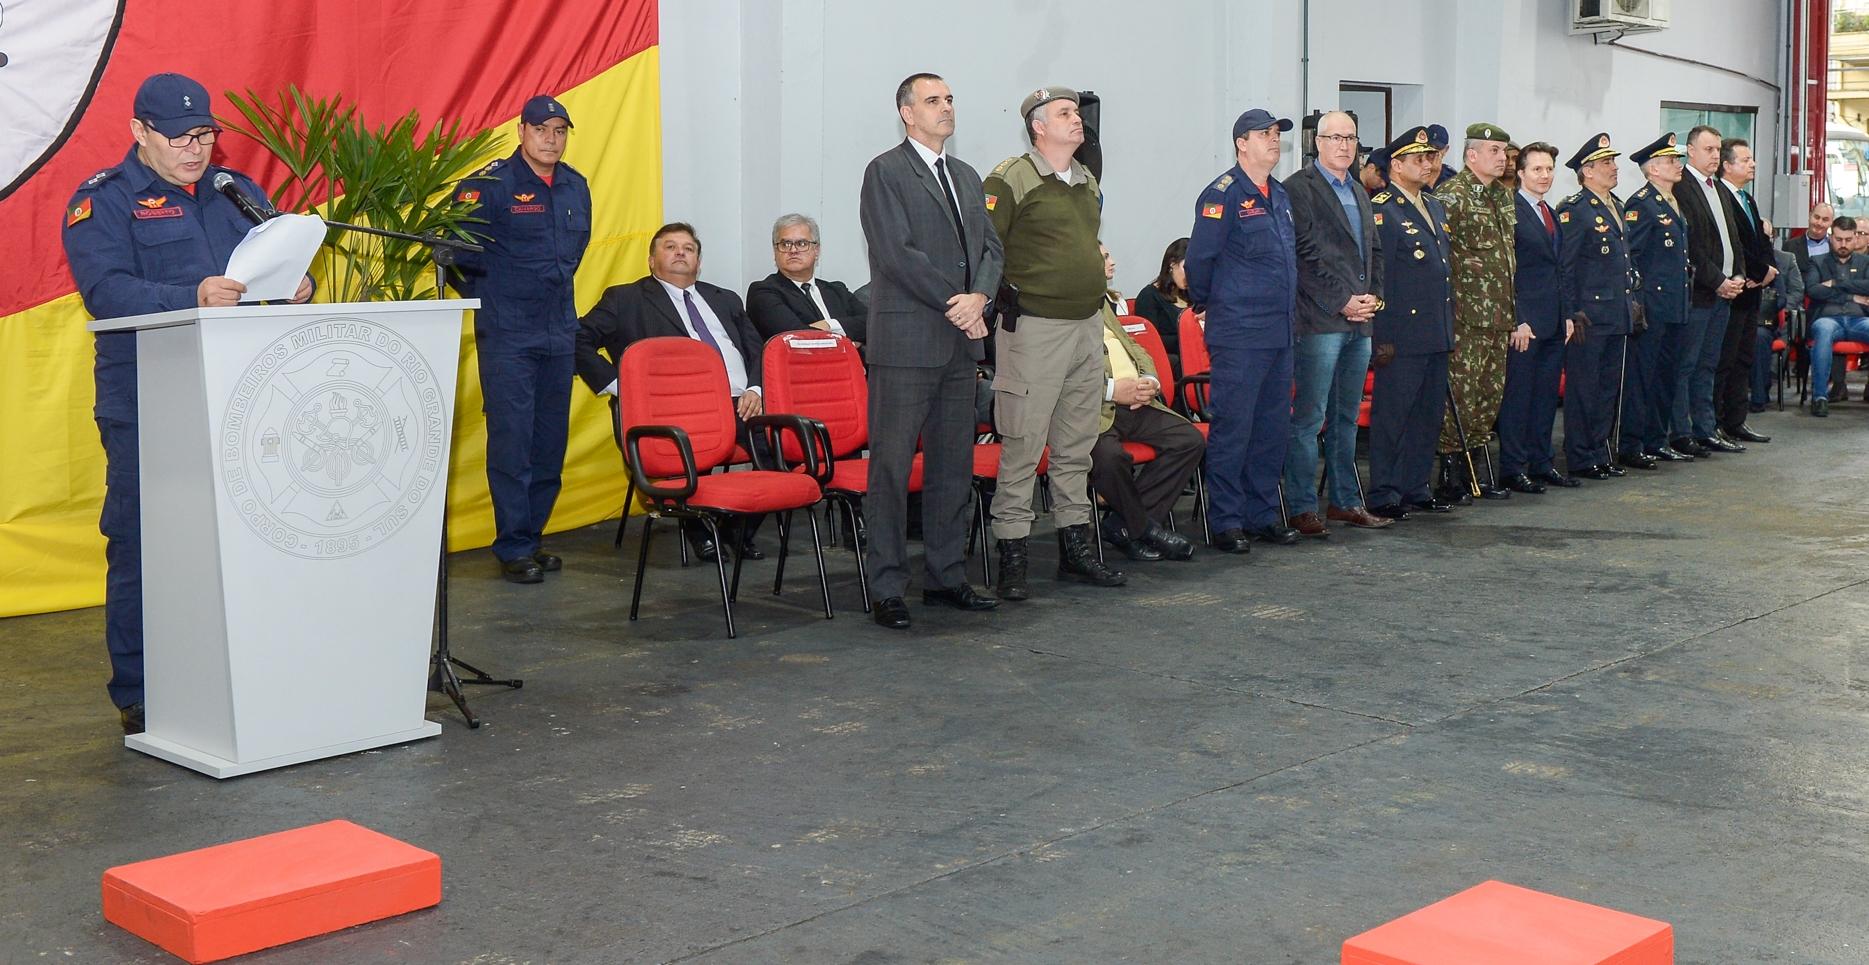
1618	16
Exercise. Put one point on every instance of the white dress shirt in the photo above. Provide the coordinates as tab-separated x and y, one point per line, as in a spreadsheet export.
928	157
1719	222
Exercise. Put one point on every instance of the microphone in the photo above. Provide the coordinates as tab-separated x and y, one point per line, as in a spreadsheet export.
225	184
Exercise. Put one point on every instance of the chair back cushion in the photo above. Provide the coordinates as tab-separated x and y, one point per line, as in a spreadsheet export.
1143	331
676	382
1194	358
819	375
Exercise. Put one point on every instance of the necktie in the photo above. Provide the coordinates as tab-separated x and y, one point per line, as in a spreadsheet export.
811	295
953	206
700	327
1544	212
1751	211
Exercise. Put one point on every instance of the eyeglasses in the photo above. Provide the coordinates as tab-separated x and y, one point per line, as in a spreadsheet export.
550	133
1338	139
205	137
794	244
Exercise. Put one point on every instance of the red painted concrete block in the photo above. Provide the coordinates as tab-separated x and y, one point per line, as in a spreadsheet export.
240	897
1493	923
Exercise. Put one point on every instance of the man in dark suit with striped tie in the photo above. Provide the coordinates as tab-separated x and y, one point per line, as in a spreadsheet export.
1535	350
1732	383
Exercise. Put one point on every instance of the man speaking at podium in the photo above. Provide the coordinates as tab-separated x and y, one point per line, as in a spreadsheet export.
144	237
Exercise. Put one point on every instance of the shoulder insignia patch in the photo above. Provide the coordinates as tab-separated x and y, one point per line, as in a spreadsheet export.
100	177
467	197
1563	217
78	212
1381	198
1378	217
992	201
491	167
1213	210
1225	180
1630	215
1002	167
1573	199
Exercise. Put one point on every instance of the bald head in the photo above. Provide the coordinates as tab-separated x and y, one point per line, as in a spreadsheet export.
1336	142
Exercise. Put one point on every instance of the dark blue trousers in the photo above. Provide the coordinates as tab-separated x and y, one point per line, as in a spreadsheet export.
1642	428
1405	412
526	395
1529	409
1251	412
1669	356
1590	383
122	526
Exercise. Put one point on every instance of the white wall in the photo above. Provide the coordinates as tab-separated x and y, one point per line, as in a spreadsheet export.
772	106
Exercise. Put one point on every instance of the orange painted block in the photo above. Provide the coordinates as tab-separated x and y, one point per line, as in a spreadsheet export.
1494	922
243	896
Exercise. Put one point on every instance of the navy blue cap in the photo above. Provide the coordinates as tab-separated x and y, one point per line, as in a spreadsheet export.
1594	149
1415	140
1438	137
1663	146
543	108
1258	119
1379	159
173	104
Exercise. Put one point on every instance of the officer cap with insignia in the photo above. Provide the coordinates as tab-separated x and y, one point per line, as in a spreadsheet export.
1662	146
1379	159
173	104
1595	149
1437	137
542	108
1043	96
1258	119
1415	140
1483	131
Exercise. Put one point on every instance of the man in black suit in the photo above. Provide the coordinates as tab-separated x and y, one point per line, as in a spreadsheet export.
670	301
1732	393
1717	263
794	297
1339	289
933	260
1535	356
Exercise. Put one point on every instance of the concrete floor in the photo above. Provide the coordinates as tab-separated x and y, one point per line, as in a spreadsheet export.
1650	693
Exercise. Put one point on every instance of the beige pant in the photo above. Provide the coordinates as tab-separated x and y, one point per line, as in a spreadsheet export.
1047	389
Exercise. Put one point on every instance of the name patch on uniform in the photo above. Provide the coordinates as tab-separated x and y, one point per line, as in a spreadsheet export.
78	212
526	209
992	200
145	214
467	197
1208	210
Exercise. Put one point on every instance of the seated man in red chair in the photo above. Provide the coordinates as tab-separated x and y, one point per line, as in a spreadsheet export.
1838	286
1133	411
670	301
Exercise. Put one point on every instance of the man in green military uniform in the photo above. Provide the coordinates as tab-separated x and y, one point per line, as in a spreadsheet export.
1480	218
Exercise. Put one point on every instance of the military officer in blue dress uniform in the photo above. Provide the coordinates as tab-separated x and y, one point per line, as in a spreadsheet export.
1658	250
538	220
149	235
1242	268
1597	289
1413	333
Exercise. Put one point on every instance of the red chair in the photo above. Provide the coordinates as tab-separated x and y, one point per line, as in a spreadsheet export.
1194	390
820	377
677	420
1841	352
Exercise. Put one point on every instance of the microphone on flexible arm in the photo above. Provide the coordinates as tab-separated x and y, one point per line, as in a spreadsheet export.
225	184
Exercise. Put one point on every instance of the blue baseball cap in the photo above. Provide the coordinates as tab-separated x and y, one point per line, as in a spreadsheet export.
173	104
1258	119
543	108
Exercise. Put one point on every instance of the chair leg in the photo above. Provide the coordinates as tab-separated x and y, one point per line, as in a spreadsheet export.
739	558
629	499
1486	453
1096	531
785	542
986	536
720	570
856	542
1284	514
817	550
642	562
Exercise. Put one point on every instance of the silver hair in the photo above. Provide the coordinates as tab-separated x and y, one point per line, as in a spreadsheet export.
791	220
1035	114
1327	115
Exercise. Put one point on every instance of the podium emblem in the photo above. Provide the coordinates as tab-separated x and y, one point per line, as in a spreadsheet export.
333	438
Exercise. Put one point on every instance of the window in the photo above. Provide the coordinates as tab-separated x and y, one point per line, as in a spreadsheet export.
1731	121
1373	107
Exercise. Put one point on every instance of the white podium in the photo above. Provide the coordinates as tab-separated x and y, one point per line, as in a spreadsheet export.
294	477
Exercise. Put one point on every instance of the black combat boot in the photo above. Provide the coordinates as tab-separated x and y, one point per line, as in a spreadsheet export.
1012	566
1077	559
1453	488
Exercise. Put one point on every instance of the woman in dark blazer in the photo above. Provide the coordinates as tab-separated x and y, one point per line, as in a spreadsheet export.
1163	300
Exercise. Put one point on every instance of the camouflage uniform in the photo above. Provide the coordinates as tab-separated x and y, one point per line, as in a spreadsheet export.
1480	219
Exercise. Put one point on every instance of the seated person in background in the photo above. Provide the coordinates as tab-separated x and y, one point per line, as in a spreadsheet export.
1133	411
671	302
794	298
1838	286
1375	171
1785	292
1163	301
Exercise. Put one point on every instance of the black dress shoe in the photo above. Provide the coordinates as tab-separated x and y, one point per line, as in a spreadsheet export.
1636	460
1172	545
1393	511
548	562
1555	478
132	718
749	550
1234	541
1671	454
1493	492
891	613
1614	470
1820	407
522	570
1274	533
1433	505
1591	472
1117	535
1717	444
1745	434
1688	447
703	546
962	597
1728	438
1518	482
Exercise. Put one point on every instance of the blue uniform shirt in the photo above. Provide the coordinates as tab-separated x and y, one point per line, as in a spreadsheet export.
1598	258
138	244
1658	250
535	235
1417	314
1242	263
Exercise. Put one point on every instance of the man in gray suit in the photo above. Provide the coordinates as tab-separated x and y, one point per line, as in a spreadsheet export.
933	260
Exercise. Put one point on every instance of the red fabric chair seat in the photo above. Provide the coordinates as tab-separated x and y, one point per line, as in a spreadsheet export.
986	460
1849	348
1362	413
754	491
1139	451
1778	344
853	475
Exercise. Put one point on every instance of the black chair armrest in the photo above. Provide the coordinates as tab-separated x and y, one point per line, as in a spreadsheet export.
1192	393
632	450
813	443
